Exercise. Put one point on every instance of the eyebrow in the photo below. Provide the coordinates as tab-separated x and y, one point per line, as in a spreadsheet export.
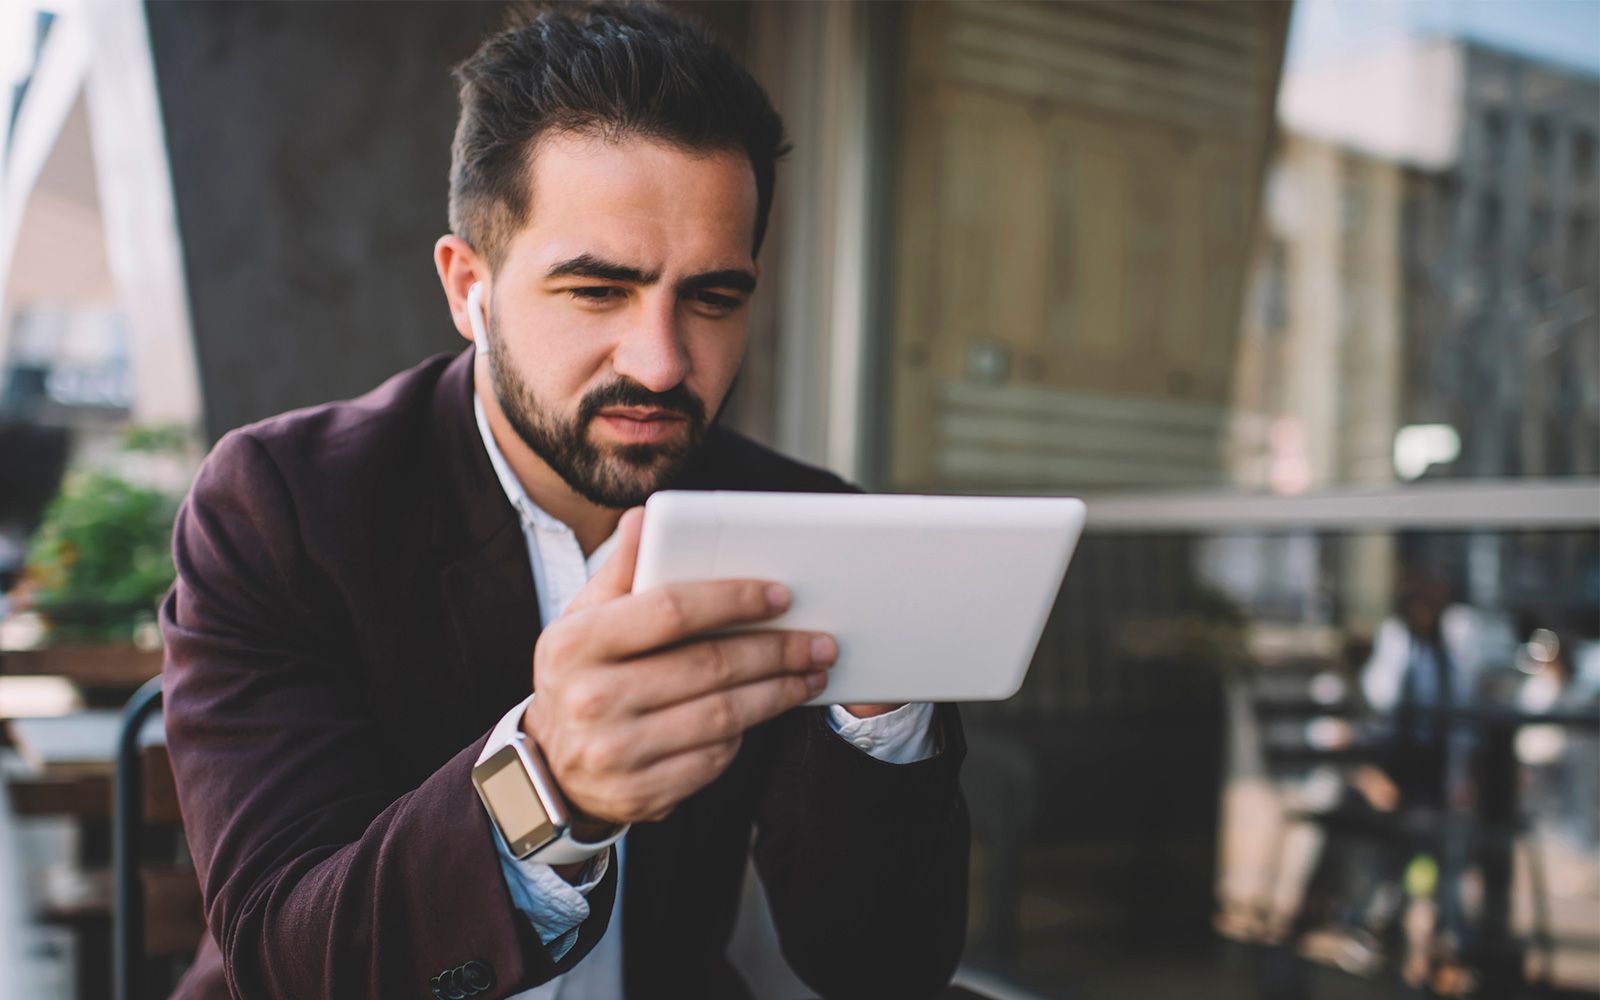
734	278
587	265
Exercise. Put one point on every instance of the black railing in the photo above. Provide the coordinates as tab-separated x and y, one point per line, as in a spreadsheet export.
127	916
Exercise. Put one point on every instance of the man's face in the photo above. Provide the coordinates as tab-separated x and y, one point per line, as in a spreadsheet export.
618	316
1422	602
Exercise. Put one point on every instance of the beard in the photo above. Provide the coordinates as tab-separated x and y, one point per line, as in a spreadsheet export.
615	476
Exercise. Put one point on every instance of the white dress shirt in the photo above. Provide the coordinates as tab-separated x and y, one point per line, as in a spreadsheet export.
1462	633
554	907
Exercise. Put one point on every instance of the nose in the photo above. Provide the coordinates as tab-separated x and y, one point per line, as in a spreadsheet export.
651	352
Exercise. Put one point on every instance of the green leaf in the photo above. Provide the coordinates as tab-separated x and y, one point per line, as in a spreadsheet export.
103	542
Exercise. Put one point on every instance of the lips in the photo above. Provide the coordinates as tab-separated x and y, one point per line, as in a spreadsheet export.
641	424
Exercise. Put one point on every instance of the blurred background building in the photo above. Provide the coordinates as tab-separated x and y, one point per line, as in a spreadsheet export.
1301	296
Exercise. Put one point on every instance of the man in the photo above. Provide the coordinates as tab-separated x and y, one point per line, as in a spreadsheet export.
1396	838
1425	661
363	587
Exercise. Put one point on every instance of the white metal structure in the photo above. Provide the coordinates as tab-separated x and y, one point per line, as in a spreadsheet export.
87	215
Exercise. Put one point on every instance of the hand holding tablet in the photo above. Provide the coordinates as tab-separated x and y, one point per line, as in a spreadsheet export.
931	598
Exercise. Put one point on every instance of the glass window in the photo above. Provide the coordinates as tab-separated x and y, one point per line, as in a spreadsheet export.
1132	264
1076	190
1541	140
1583	147
1079	235
1220	733
1494	136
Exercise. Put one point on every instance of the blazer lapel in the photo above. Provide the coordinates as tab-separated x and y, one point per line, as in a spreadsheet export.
486	579
495	613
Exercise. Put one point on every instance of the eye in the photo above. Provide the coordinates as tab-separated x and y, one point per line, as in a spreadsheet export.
718	302
595	294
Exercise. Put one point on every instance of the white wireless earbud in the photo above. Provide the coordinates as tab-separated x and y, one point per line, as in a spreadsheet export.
480	332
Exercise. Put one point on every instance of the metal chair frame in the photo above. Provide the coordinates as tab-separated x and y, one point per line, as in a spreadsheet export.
127	916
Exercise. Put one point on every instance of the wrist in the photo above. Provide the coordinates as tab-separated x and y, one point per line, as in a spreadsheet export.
589	829
584	826
527	805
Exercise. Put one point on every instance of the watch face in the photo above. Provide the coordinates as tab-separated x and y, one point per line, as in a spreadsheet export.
508	792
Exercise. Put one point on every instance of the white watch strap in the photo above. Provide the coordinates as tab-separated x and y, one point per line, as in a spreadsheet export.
566	849
505	730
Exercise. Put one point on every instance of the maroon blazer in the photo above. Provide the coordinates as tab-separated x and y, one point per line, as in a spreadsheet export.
354	611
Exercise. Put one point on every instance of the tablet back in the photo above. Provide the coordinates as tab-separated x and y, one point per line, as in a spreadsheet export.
931	598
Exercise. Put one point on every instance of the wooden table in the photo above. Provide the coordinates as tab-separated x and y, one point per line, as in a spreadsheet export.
90	666
70	761
70	767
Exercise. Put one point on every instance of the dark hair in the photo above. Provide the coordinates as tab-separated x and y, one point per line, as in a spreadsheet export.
611	70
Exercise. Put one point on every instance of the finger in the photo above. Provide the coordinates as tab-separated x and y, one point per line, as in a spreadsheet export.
719	716
698	668
642	623
615	578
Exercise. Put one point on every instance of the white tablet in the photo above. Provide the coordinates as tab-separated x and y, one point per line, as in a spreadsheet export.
931	598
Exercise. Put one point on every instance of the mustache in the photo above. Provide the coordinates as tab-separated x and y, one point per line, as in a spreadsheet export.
627	392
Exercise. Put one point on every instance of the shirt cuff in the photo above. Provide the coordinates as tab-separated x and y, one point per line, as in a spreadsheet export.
554	906
903	736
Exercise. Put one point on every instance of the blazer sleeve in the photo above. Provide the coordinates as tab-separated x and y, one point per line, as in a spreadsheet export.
323	877
865	862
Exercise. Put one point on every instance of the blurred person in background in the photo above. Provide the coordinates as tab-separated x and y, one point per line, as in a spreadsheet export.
369	590
1398	842
1563	766
1426	663
1560	799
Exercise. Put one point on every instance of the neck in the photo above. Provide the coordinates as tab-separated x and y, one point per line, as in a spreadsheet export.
590	522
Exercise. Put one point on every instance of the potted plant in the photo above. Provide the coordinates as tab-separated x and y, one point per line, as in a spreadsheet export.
102	559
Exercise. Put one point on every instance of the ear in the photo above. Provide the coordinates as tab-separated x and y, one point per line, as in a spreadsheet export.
460	268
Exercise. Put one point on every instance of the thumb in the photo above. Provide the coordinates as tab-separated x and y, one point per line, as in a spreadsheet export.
615	578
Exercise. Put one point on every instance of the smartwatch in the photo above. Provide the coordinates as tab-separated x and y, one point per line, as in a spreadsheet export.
524	802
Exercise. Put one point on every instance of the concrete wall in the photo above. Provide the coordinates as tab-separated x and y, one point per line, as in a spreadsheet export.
310	149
